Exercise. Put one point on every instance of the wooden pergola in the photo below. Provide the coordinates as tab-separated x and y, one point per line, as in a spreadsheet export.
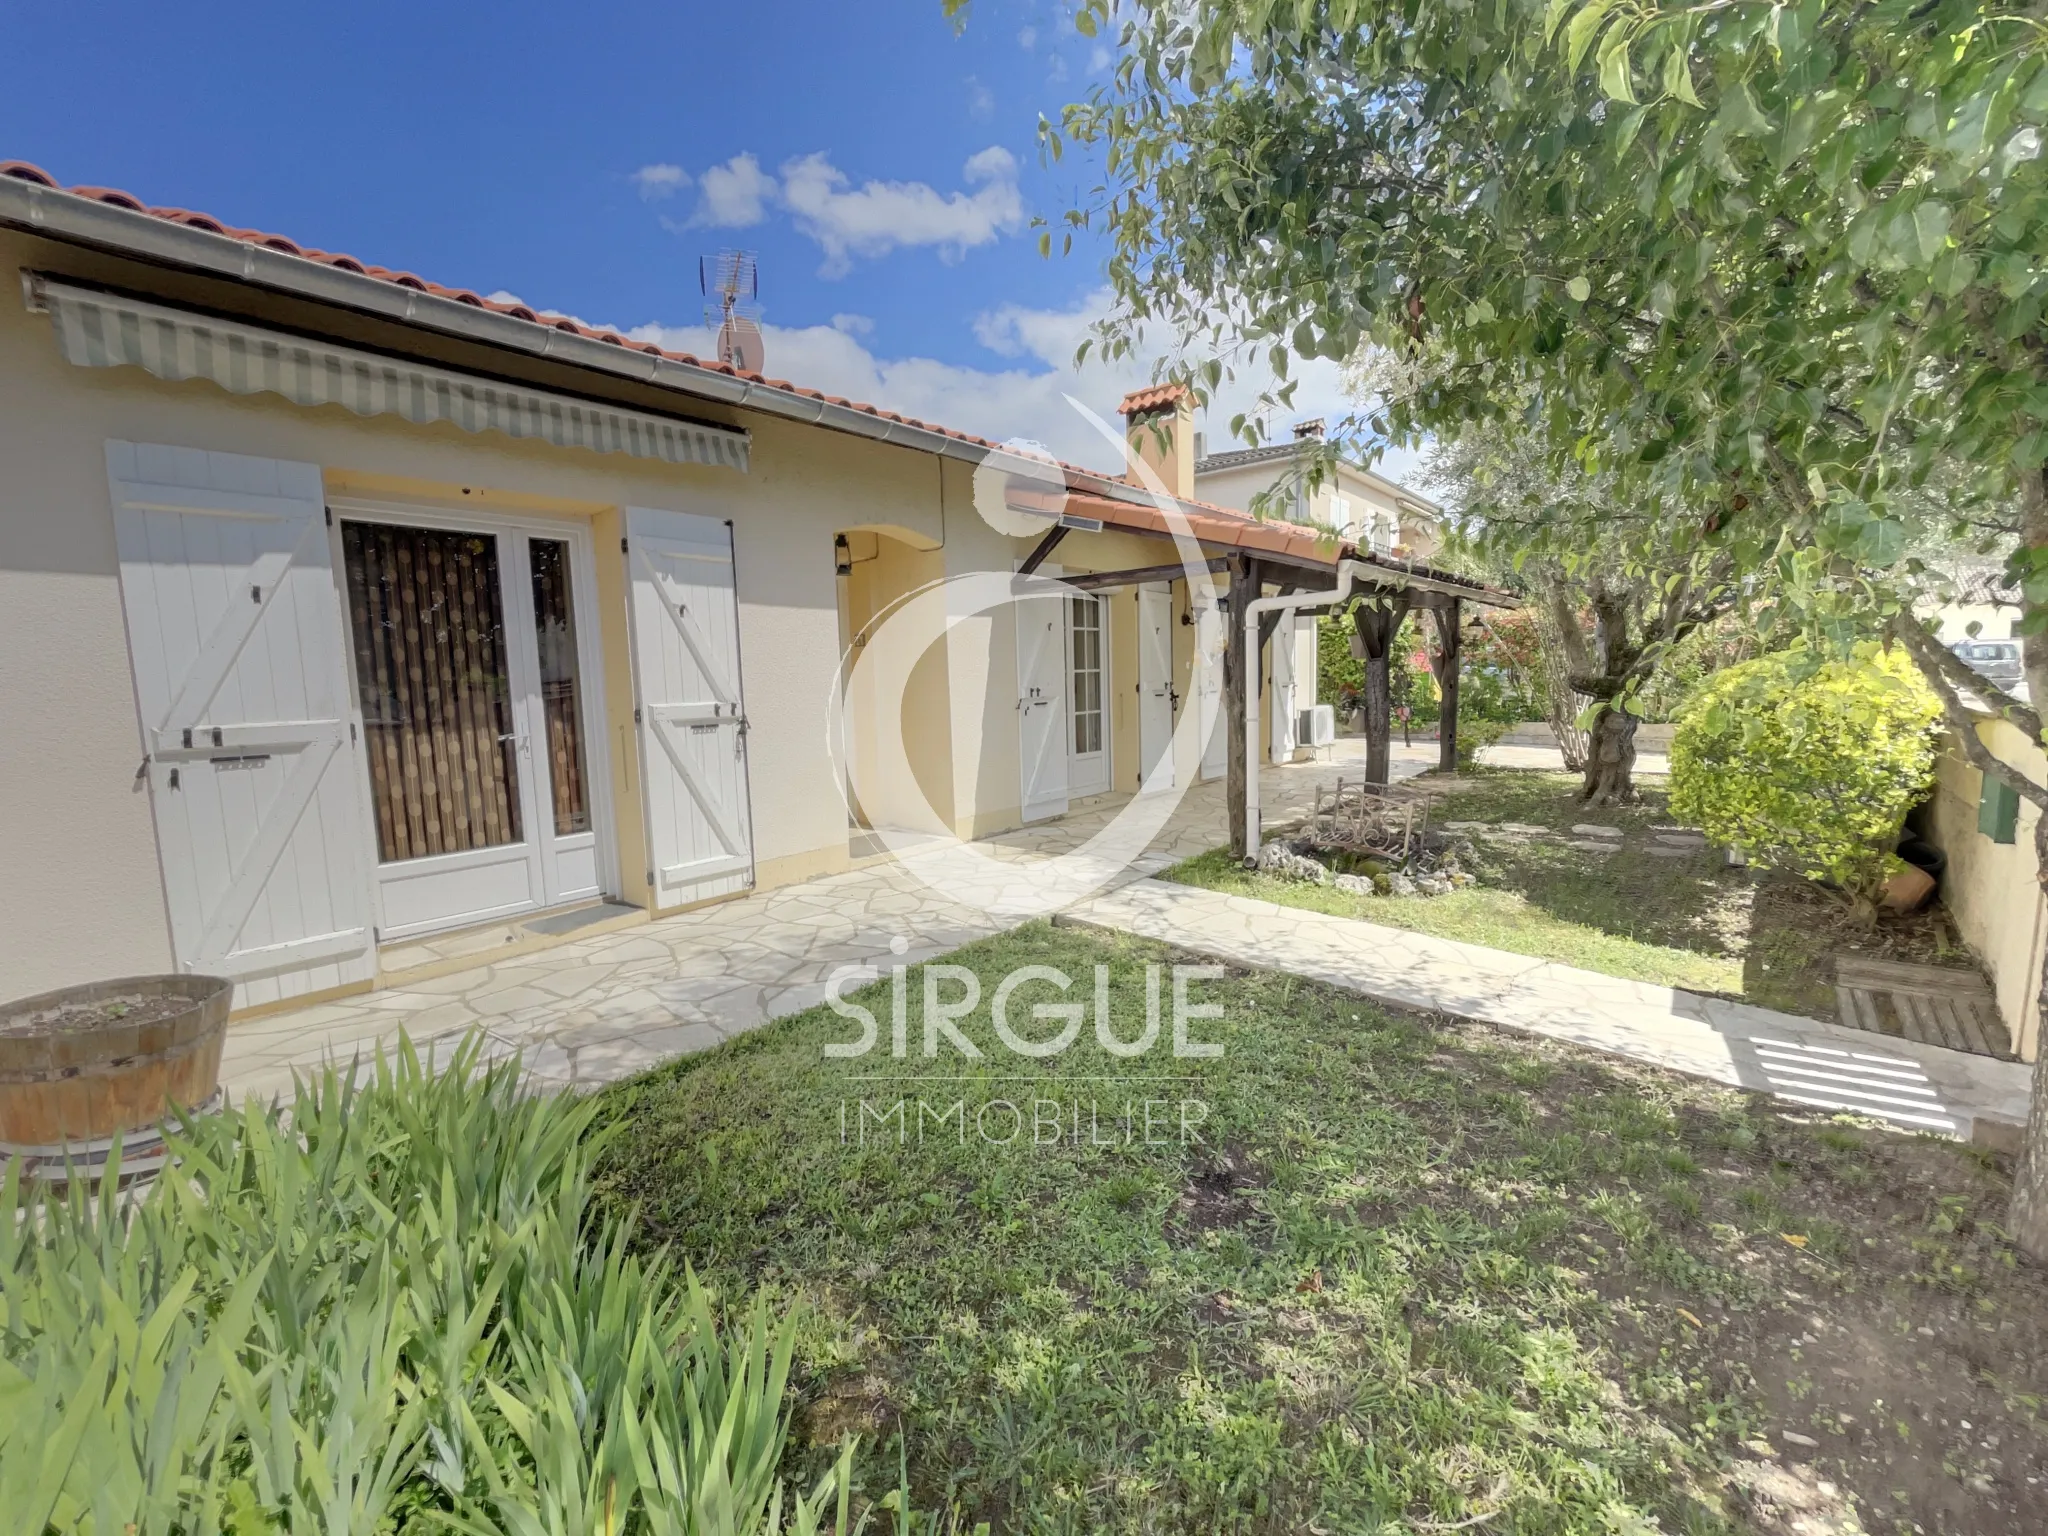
1278	559
1378	604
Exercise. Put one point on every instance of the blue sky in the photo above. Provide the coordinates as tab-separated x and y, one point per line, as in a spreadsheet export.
883	165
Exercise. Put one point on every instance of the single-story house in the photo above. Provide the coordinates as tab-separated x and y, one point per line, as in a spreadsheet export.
342	608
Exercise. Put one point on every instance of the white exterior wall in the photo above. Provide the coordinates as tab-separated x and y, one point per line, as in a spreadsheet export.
80	892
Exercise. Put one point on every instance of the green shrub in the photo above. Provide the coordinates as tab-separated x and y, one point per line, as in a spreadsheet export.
378	1310
1808	764
1475	736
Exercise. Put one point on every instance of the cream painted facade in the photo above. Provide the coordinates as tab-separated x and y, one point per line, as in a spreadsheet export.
1380	513
84	897
1990	887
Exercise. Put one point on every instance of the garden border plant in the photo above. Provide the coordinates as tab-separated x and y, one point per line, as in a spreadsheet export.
381	1309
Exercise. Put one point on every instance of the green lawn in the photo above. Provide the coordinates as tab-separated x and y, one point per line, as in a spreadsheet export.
1410	1276
1687	922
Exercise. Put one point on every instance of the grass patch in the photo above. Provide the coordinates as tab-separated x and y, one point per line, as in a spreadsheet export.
1410	1273
1480	914
1688	921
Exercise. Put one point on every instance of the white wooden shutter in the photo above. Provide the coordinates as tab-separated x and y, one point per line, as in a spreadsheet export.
692	717
1211	631
1155	689
235	633
1283	652
1041	705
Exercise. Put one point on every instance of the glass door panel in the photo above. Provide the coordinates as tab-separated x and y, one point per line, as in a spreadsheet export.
561	694
1087	744
432	674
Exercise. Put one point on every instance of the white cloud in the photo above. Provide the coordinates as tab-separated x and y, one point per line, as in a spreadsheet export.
853	325
878	216
658	181
504	296
1027	38
734	195
1026	399
981	101
1099	60
848	221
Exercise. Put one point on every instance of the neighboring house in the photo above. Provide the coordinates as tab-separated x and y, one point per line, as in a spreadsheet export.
1984	605
1372	511
342	609
1377	513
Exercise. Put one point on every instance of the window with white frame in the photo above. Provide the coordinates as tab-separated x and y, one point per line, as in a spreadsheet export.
1086	630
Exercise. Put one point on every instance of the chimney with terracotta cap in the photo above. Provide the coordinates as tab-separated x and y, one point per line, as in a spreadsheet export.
1313	427
1159	424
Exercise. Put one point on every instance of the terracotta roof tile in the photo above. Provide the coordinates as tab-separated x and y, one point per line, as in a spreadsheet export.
1212	524
1139	401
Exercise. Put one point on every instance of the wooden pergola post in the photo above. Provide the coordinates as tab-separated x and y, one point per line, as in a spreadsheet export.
1239	671
1378	621
1447	664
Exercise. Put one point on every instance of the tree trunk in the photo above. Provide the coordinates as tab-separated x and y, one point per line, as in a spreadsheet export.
1379	705
1447	664
1561	706
1377	627
1610	758
2028	1219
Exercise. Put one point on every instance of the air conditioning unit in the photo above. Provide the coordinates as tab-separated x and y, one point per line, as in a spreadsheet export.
1316	726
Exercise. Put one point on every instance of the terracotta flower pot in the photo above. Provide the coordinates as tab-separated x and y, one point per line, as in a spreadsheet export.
1906	890
87	1063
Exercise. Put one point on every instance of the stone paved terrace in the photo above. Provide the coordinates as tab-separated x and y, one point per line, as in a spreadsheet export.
603	1007
599	1008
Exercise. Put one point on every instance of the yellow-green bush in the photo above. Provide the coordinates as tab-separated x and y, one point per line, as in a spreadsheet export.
1808	763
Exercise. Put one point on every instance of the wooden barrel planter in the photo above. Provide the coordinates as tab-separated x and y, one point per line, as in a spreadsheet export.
83	1066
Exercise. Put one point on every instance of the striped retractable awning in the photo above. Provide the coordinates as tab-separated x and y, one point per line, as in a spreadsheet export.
99	330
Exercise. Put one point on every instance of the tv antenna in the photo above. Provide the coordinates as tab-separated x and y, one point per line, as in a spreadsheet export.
731	283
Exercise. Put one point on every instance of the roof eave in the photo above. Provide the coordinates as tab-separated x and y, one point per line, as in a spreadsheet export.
58	214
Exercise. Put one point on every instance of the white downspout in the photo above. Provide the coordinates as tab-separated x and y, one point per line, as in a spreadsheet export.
1347	571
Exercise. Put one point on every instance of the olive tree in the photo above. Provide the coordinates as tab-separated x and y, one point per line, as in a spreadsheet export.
1770	264
1612	602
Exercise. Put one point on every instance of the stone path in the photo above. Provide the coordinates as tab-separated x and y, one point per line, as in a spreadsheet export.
605	1007
1803	1060
613	1004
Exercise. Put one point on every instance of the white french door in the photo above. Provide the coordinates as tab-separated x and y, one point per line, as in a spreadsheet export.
1088	691
471	639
